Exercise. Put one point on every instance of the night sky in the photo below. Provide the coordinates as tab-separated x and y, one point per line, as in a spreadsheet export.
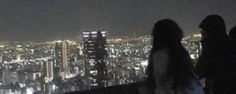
54	19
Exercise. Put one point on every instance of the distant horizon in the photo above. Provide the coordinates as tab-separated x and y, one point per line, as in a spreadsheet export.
80	37
55	19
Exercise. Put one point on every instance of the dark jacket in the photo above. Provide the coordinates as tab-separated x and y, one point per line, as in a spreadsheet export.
216	60
215	47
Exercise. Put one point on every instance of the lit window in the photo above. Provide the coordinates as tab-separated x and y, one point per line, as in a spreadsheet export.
94	72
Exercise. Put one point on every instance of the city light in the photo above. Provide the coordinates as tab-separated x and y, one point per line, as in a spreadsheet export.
48	66
144	63
29	91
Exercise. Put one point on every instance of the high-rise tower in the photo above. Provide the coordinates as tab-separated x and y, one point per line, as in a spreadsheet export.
95	52
61	54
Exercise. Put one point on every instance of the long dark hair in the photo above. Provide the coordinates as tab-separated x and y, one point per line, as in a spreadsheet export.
168	35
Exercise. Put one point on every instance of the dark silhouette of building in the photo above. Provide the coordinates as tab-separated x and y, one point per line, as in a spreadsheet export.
95	52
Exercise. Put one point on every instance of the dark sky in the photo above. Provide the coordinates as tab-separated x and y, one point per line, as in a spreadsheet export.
53	19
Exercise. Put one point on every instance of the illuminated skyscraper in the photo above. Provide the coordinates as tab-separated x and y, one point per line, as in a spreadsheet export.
49	70
95	52
61	53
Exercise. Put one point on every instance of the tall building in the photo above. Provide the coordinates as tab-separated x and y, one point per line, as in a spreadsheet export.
95	52
62	59
49	70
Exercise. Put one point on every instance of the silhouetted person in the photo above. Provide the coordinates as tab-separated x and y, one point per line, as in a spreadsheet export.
169	68
213	61
232	34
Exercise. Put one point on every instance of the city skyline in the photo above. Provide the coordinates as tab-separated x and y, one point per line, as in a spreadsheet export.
58	19
66	66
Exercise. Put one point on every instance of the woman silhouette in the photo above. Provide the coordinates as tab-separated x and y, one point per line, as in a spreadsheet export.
169	69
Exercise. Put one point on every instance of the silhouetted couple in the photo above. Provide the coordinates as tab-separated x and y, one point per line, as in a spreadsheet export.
170	69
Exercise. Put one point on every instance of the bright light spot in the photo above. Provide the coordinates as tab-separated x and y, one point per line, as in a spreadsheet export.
53	87
22	85
18	46
136	68
94	32
69	76
1	46
58	41
192	56
5	62
29	91
86	33
144	63
93	72
82	74
197	35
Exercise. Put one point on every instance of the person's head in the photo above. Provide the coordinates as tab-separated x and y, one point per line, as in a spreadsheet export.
232	33
166	32
213	26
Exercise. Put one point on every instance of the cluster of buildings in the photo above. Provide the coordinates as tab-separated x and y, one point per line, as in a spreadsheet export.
65	66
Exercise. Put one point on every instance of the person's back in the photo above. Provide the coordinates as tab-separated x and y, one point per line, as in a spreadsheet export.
232	35
166	85
216	47
193	86
169	70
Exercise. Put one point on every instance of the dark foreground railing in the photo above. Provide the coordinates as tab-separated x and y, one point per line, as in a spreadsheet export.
119	89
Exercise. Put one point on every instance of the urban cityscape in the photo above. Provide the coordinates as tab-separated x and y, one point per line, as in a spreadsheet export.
97	60
105	46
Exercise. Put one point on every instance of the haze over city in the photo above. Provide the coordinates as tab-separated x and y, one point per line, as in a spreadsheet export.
55	19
